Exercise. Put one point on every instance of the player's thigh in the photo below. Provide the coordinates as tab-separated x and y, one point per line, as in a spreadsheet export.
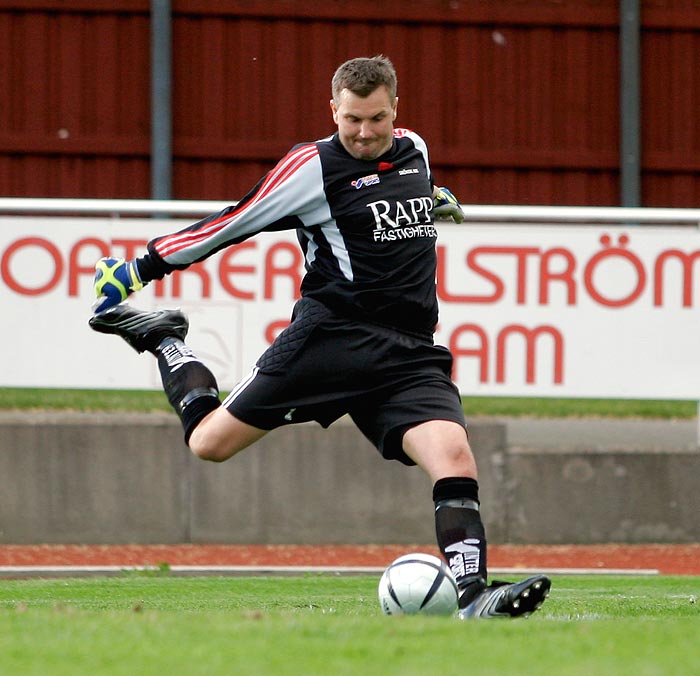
221	435
407	401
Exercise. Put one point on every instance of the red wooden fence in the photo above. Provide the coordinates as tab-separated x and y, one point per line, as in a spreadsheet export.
518	99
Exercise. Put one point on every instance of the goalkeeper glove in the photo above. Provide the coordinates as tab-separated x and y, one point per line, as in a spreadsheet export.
445	205
115	279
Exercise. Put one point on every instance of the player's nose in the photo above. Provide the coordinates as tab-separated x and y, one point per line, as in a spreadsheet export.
365	130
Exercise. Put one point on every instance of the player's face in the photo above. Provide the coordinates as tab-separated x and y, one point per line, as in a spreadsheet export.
365	124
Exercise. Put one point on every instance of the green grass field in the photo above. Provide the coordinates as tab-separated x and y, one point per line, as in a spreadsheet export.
139	400
329	625
142	624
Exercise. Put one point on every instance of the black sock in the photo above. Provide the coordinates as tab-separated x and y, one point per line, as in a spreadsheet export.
460	533
190	386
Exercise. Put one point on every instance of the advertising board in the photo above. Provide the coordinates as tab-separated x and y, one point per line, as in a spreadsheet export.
546	310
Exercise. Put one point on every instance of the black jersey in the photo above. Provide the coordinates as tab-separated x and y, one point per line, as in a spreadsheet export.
365	228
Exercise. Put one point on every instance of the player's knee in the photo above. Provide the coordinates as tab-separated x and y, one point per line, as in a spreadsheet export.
205	447
462	460
207	453
457	458
220	436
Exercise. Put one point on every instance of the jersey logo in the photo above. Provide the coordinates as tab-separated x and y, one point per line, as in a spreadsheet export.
402	219
371	179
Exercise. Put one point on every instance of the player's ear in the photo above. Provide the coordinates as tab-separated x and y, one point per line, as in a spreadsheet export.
334	110
396	103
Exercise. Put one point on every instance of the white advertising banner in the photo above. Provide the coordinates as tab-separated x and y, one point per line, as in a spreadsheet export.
527	310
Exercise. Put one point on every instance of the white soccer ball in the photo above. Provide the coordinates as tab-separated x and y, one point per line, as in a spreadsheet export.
418	583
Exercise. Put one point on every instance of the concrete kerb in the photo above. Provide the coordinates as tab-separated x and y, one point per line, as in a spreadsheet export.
114	478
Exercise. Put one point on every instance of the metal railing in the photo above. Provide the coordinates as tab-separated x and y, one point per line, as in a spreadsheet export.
474	212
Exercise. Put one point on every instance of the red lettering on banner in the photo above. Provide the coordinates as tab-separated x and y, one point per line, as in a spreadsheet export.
441	284
291	270
74	269
686	261
521	255
608	252
228	269
197	269
248	272
159	288
20	244
481	352
530	336
566	275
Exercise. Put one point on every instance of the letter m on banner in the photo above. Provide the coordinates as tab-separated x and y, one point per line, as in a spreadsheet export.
531	337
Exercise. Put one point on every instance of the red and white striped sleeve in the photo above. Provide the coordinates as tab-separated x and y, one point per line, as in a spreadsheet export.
287	197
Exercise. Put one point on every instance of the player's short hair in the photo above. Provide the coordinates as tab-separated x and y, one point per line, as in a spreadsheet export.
363	75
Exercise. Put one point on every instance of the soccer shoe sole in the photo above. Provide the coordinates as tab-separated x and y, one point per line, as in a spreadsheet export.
139	328
518	599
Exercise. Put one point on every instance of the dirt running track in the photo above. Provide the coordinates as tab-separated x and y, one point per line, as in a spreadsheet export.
667	559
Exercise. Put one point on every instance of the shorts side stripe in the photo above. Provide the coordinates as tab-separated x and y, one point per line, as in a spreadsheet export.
236	391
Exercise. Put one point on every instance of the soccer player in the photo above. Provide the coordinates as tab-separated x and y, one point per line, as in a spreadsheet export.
360	342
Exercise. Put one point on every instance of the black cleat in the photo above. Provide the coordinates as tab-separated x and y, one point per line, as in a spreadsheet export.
502	599
143	330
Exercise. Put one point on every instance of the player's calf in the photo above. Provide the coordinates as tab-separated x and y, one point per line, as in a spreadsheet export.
190	386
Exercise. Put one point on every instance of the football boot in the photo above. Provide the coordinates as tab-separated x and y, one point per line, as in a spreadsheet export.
504	599
143	330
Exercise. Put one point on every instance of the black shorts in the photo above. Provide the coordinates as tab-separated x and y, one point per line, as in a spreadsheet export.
324	366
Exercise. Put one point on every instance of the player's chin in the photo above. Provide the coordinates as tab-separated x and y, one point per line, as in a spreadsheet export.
362	152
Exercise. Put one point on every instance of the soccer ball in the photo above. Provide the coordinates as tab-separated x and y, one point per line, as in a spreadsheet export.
417	583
